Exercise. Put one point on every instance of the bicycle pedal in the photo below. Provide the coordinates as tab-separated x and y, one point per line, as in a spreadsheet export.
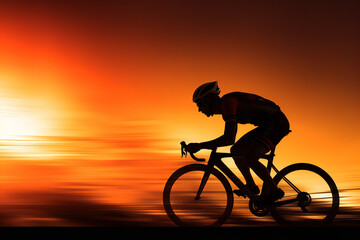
239	193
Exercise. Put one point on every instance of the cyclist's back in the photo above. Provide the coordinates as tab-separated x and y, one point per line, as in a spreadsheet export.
250	108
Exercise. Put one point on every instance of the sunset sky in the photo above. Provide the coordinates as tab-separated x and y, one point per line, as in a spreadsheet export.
97	92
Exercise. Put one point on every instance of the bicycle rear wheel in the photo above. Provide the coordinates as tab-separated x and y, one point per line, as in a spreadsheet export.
212	209
315	192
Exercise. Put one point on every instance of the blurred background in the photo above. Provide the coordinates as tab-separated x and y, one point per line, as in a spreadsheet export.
95	97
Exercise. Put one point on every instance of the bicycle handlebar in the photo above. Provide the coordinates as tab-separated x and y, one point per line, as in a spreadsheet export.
184	151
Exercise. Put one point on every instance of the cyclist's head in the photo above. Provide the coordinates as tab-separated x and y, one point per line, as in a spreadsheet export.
204	90
205	96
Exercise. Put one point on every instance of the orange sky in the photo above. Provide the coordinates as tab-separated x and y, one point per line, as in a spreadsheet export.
88	80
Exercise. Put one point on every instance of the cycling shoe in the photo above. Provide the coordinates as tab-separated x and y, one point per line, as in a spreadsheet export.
277	194
272	197
254	189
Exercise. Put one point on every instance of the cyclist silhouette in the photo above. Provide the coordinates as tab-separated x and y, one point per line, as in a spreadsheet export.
237	107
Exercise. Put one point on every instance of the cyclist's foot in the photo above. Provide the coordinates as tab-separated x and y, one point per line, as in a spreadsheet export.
239	193
277	194
253	188
272	196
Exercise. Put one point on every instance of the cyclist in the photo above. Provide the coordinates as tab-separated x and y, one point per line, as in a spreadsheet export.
237	107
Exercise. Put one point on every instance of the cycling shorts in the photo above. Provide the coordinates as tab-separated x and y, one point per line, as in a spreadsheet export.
270	134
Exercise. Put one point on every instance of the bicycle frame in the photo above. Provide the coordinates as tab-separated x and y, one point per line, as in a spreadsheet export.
258	205
215	160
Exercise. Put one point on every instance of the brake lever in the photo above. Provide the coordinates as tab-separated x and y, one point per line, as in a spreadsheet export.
183	149
184	153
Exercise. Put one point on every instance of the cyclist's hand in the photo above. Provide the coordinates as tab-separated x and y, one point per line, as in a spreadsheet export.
193	147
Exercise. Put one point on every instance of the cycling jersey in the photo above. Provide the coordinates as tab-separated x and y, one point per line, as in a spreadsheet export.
247	108
250	108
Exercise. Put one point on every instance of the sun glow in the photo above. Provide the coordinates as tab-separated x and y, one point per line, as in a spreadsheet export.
16	126
17	123
21	122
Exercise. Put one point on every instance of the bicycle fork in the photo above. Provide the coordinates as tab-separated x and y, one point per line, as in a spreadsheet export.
205	178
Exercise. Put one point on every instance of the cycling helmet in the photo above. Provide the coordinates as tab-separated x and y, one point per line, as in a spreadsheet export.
206	89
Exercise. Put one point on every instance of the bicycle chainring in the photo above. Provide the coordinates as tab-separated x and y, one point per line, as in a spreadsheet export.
258	209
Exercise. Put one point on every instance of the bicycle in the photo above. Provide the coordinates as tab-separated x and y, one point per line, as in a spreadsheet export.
201	195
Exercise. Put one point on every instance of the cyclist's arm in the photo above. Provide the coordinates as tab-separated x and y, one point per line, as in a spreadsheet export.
227	139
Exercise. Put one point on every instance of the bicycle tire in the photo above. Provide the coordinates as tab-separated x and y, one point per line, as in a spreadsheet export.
330	214
197	167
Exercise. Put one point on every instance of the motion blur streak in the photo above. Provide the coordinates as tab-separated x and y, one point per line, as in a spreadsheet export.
95	97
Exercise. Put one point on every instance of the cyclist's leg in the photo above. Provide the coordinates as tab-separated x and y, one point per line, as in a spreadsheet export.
270	136
247	152
241	163
261	171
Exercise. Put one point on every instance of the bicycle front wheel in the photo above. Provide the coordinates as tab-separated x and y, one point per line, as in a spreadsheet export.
311	194
212	209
